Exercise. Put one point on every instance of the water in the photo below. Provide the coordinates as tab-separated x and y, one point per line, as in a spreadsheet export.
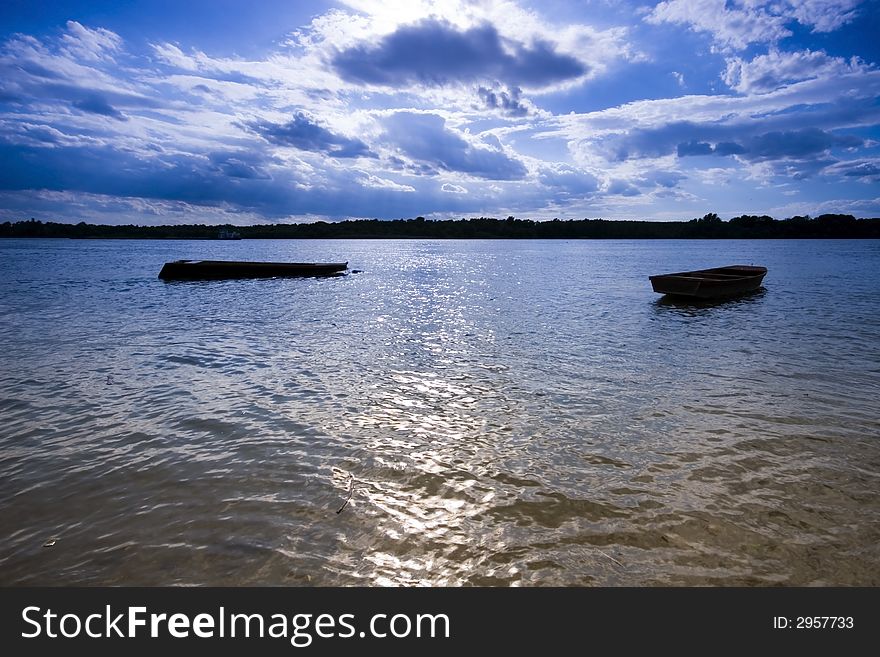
482	412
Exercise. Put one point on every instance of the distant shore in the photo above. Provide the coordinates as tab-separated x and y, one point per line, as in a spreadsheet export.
709	226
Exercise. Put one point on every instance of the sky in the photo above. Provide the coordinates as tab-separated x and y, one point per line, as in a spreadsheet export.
198	111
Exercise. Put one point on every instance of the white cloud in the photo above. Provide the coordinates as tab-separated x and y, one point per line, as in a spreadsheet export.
92	45
734	24
869	207
168	53
776	69
699	109
865	170
370	180
824	15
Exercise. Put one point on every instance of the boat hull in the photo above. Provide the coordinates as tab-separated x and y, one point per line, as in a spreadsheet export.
190	270
710	283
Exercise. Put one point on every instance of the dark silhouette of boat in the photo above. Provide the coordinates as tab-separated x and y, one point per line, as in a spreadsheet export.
710	283
190	270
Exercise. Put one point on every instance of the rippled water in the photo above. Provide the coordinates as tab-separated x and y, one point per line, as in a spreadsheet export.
483	412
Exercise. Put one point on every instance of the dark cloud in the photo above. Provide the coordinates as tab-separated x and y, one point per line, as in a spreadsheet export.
231	179
434	52
97	104
704	148
800	169
240	164
728	148
866	170
99	99
37	135
694	148
622	188
302	133
425	139
667	179
507	101
796	144
651	142
37	70
691	139
417	168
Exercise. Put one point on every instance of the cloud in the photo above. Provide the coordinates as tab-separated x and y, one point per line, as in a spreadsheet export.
488	106
659	128
733	139
864	170
303	133
799	144
248	165
231	180
622	188
426	139
639	143
776	69
436	53
731	24
219	69
566	180
660	178
694	147
88	44
793	169
823	15
507	101
34	135
728	148
370	180
171	54
75	69
735	24
97	104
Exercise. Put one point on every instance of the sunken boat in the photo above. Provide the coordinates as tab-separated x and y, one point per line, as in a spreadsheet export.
192	270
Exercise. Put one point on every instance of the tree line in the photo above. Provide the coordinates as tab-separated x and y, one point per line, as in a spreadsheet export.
710	226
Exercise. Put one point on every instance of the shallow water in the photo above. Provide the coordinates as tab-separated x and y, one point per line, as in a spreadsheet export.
483	412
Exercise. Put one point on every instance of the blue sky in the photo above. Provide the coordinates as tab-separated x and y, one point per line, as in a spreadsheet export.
230	112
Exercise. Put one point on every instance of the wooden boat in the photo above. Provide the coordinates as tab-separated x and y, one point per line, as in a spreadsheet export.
710	283
190	270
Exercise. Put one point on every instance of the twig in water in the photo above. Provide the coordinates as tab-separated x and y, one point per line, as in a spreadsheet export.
608	556
350	492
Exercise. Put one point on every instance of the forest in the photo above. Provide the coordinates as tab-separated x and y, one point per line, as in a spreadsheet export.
710	226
